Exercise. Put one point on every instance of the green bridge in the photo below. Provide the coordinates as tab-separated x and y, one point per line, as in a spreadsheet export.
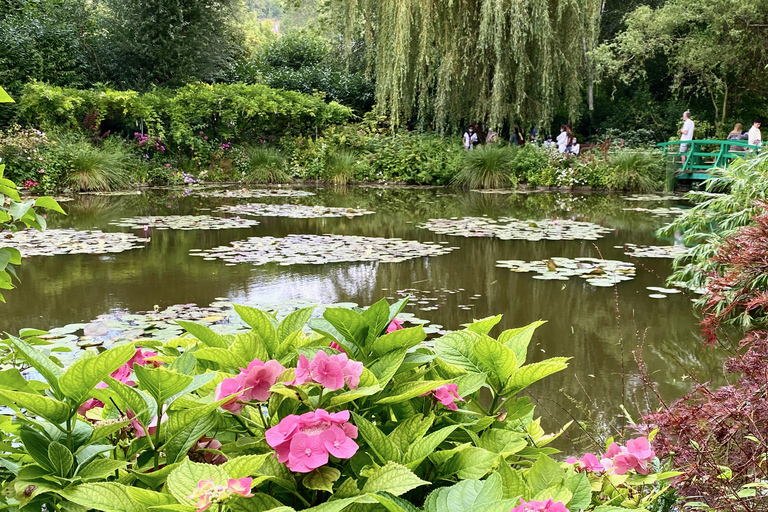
705	155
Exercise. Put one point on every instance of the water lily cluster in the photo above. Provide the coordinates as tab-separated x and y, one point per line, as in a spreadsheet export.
208	493
619	459
304	443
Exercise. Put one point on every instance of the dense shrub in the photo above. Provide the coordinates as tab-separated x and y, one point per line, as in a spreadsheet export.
303	62
223	113
729	202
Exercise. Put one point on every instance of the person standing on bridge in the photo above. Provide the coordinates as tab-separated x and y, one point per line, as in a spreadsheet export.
686	132
755	137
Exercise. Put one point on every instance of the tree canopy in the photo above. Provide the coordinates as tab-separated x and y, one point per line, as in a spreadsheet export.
716	50
444	63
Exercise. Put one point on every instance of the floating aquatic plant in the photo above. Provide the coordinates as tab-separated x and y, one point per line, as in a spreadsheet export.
245	193
293	211
507	228
52	242
184	222
595	271
654	251
321	249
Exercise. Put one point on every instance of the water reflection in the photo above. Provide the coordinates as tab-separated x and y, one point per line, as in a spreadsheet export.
599	327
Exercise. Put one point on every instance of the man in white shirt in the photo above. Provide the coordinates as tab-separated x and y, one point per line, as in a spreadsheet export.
754	137
686	132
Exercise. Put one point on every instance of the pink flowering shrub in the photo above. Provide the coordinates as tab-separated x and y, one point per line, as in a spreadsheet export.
279	418
619	459
252	383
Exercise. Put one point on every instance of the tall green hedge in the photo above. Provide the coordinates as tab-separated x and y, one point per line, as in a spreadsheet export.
225	112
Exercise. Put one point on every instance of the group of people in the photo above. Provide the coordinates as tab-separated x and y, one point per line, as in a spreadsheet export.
566	142
753	136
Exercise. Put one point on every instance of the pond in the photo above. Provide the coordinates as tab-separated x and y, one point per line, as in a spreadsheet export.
599	319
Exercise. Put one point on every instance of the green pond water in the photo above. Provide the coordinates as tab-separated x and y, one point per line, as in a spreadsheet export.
600	327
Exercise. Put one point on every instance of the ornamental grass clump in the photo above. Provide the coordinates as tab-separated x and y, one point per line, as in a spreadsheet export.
488	166
85	167
266	165
347	410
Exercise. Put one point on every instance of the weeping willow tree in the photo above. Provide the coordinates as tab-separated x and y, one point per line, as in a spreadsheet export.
447	62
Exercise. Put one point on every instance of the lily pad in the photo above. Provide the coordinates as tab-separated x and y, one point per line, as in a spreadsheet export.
654	251
184	222
651	197
658	212
245	193
321	249
596	272
293	211
52	242
507	228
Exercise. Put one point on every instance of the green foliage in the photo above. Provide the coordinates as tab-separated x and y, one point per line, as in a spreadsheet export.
235	112
506	61
728	202
15	215
266	165
414	452
302	61
630	170
44	40
152	42
719	59
81	166
487	166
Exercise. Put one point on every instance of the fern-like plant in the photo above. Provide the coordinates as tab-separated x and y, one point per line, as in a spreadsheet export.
267	165
488	166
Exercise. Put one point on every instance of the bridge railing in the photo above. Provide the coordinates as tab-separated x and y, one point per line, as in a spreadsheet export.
699	157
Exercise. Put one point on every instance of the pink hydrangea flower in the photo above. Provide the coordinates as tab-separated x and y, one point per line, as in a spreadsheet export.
447	394
331	372
307	453
303	372
327	371
241	486
209	443
394	325
540	506
231	386
89	404
621	459
259	378
304	442
336	346
140	358
138	428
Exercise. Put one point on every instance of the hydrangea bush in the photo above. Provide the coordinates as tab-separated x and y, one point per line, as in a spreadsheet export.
345	412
